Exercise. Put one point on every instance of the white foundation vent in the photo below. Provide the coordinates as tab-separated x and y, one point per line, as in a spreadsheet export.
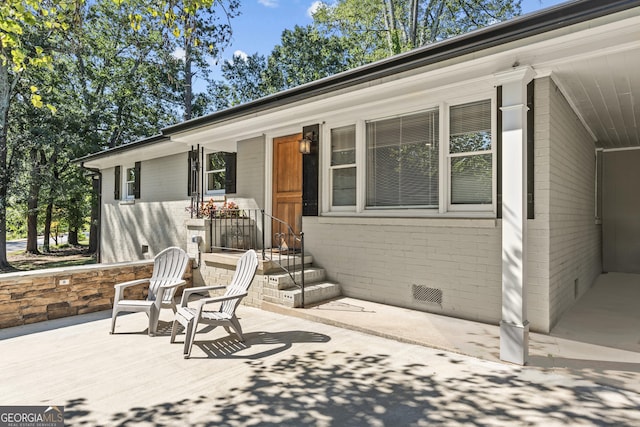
426	294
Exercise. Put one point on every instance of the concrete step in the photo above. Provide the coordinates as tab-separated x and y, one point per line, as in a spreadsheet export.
275	262
272	263
313	293
284	280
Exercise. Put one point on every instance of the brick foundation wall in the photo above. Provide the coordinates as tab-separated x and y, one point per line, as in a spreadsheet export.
36	296
212	275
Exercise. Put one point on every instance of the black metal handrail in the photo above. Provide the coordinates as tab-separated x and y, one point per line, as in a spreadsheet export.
238	230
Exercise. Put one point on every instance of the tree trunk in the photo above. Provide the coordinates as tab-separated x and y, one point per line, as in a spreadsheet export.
32	206
72	238
188	79
4	173
47	227
389	22
413	29
432	19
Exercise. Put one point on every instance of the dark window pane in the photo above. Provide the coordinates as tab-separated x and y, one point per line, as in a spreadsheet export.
344	187
343	146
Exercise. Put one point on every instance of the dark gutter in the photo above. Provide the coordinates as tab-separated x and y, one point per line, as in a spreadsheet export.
124	147
508	31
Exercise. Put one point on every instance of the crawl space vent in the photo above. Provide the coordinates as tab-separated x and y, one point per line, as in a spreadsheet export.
426	294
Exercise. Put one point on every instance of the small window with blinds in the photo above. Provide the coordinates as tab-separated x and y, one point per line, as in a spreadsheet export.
471	155
343	166
402	169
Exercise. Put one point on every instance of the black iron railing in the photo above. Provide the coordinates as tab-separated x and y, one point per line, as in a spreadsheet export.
237	230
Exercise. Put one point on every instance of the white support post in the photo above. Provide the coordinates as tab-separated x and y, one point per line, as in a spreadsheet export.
514	327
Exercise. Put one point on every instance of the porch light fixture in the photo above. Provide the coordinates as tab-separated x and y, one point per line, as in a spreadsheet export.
306	143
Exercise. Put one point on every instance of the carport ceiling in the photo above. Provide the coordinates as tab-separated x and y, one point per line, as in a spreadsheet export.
605	91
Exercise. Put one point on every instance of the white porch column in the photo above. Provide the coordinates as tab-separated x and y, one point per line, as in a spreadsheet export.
514	327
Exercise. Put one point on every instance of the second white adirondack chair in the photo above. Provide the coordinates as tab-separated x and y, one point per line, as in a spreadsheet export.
168	268
225	315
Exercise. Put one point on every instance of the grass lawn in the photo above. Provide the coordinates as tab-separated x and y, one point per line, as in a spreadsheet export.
63	256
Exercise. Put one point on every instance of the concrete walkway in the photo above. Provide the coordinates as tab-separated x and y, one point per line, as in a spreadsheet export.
297	371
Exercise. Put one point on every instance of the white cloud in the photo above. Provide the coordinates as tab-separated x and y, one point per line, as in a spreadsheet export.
241	54
269	3
314	8
178	53
238	53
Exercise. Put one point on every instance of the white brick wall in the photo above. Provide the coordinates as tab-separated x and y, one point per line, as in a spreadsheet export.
380	260
575	242
155	220
162	179
127	227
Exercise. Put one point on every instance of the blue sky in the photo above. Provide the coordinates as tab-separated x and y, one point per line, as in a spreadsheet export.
260	25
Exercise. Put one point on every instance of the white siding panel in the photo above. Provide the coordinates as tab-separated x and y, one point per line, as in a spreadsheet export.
164	179
251	170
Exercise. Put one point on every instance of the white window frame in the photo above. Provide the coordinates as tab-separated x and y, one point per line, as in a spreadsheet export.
208	191
454	207
331	168
408	209
445	207
125	194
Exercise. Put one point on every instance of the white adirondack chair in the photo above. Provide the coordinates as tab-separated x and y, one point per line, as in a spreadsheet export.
168	268
225	316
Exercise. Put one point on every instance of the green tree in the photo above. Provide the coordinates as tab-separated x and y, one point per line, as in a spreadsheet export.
305	55
243	82
19	55
380	28
350	33
193	32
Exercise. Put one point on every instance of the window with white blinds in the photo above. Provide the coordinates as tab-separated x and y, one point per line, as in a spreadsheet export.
402	167
343	166
470	154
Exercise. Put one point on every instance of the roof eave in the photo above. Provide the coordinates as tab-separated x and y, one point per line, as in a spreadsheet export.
504	32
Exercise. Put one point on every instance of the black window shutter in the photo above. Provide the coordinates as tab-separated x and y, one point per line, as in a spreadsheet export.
310	172
499	153
530	151
136	183
117	183
193	168
230	165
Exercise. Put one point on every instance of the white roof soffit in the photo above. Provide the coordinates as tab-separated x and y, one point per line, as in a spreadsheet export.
127	154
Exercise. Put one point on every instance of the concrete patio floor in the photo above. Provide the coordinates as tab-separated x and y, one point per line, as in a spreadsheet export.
331	365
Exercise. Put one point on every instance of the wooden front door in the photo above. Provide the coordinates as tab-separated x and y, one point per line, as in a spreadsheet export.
287	186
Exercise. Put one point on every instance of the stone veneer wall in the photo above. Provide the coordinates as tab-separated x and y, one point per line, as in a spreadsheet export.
35	296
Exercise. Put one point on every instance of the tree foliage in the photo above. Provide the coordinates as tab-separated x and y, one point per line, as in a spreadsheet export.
380	28
243	82
349	33
27	29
